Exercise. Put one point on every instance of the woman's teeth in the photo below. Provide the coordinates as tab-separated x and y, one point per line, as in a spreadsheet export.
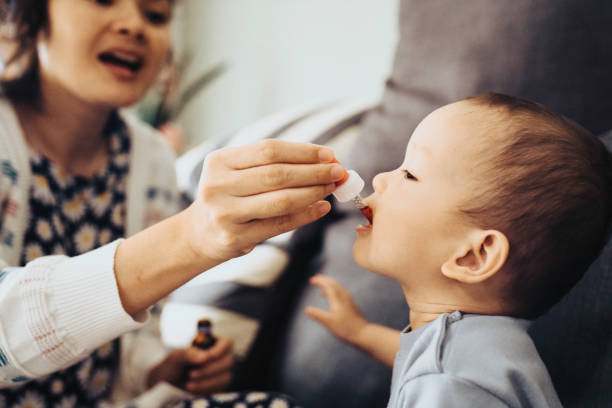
126	60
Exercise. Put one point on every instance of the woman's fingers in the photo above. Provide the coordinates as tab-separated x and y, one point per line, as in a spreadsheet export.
274	151
213	368
251	193
279	203
259	230
209	385
274	177
223	346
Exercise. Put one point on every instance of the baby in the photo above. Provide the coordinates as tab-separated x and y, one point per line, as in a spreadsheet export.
496	212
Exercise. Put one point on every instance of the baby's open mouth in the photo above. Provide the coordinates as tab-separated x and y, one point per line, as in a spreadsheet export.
367	212
121	59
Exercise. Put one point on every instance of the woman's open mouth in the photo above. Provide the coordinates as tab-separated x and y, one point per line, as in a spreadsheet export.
124	65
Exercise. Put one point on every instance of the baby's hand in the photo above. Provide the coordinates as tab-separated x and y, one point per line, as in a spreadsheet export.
344	319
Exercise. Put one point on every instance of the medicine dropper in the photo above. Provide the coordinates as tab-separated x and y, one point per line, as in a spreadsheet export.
349	189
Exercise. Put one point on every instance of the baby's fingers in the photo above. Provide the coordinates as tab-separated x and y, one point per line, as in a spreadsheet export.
319	315
332	290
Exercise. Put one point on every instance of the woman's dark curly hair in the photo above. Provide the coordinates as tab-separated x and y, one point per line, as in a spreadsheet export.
20	22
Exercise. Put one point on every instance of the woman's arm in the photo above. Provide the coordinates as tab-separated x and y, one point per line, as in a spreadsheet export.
247	195
56	310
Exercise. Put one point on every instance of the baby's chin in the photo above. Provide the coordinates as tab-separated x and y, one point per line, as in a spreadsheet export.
361	258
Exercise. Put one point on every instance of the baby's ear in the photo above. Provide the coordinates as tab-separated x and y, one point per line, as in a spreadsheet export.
482	255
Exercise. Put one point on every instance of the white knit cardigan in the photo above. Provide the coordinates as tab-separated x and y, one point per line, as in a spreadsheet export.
56	310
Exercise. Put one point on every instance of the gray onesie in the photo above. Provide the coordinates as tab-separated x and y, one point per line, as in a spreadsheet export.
466	360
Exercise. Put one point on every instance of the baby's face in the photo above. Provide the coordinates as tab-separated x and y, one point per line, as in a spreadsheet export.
416	224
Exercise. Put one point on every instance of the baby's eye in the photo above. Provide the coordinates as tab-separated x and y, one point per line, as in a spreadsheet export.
408	175
103	2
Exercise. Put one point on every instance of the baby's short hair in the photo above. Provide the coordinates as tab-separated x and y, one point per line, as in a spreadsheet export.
547	186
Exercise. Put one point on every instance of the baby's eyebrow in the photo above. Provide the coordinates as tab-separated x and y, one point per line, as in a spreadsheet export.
421	148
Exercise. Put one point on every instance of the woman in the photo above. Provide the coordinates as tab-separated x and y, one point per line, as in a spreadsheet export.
78	175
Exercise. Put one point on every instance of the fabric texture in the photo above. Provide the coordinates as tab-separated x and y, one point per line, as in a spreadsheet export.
68	323
71	215
470	361
244	399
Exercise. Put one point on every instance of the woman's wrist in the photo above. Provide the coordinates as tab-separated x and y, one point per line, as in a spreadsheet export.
152	263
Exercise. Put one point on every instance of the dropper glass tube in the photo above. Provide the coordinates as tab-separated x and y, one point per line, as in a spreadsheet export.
365	210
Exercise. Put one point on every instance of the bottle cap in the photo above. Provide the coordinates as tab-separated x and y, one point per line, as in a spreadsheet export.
204	323
349	187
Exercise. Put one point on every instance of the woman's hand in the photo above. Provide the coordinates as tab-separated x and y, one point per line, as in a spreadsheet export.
344	319
247	194
251	193
201	372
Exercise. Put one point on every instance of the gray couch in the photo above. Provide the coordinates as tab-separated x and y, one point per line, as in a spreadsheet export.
557	53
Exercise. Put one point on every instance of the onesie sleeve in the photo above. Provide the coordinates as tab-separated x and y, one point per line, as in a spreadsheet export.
56	310
442	390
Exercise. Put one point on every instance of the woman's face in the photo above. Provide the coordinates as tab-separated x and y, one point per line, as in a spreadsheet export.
104	52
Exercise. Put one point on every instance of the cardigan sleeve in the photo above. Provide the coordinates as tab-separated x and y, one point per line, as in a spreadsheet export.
56	310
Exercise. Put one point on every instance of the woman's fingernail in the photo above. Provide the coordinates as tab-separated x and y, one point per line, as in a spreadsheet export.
337	172
330	187
326	155
322	207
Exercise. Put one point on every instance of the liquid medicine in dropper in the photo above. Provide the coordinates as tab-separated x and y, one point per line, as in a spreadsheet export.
351	191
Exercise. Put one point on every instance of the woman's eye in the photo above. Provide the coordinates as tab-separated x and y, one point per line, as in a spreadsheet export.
408	175
157	18
103	2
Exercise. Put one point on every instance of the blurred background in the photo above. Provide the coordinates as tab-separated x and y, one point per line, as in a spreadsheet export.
237	61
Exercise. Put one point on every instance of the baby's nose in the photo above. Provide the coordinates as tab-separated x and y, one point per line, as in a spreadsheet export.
379	183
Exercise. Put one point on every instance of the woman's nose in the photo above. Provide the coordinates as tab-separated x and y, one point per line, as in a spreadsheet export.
130	21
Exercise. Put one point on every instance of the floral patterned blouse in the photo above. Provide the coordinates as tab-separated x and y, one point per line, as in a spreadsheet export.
71	215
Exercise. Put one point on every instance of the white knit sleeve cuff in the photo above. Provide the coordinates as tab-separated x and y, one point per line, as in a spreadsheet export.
79	310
